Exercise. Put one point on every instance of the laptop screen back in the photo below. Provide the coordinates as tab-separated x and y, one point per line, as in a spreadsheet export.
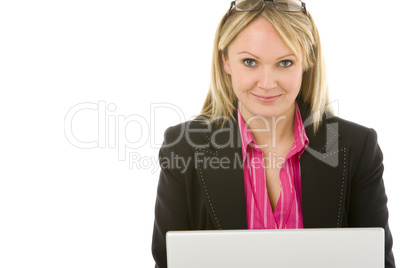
330	248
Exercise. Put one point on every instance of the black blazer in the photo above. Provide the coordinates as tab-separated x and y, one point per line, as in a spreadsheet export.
201	183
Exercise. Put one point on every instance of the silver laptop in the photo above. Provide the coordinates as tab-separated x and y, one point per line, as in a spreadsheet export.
302	248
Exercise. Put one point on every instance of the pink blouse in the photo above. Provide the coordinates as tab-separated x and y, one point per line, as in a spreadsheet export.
288	211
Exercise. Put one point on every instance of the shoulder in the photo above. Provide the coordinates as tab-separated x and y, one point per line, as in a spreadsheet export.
351	132
196	123
331	124
187	128
361	141
348	126
184	137
336	135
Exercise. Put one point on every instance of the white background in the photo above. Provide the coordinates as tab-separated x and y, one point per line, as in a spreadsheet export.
64	206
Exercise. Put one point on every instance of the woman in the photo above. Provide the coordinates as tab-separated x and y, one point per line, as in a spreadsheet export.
266	152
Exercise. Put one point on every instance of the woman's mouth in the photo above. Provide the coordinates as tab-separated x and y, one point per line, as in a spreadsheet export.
267	99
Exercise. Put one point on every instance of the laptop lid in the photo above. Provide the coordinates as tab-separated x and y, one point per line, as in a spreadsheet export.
302	248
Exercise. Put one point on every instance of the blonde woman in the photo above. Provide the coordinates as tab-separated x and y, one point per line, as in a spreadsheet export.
266	151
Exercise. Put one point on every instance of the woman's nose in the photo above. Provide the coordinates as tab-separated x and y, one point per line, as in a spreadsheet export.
267	79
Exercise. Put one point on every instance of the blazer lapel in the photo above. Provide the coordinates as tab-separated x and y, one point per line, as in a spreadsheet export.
220	170
324	175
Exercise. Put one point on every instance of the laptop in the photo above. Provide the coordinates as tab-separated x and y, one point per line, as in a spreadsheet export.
301	248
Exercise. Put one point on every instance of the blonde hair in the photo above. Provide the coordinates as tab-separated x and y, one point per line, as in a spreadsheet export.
299	33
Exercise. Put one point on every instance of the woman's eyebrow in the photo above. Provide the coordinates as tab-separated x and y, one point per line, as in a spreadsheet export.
281	57
287	55
245	52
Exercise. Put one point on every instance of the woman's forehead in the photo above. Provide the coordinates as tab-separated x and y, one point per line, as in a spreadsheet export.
261	39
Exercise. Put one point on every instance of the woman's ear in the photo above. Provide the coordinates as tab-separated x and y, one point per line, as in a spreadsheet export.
225	64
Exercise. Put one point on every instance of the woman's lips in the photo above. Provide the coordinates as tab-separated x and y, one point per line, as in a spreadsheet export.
268	99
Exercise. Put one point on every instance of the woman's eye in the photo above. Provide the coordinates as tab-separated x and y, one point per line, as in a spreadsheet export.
286	63
249	62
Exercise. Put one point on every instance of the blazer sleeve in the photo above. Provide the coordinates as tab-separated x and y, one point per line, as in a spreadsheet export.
170	207
368	205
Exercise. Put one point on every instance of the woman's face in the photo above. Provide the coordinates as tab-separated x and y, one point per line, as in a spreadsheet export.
265	74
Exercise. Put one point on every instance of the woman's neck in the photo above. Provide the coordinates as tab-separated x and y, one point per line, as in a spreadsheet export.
273	131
